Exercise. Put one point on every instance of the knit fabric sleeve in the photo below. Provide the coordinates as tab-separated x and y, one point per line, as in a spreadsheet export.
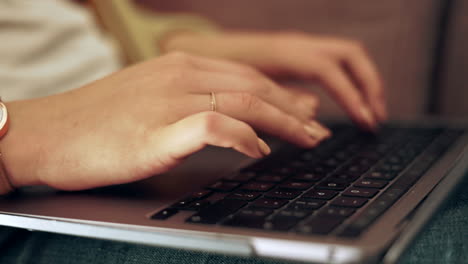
141	32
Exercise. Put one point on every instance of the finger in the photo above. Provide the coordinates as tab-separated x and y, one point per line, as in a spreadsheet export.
338	84
266	117
308	96
220	76
365	73
345	92
211	64
191	134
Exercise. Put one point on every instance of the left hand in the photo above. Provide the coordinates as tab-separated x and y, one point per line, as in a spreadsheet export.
341	66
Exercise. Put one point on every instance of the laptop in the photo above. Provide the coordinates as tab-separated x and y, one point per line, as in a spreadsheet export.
356	198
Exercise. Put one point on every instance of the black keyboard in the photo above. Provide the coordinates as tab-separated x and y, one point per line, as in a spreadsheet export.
352	176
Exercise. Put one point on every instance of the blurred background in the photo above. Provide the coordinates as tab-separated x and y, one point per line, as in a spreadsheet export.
419	46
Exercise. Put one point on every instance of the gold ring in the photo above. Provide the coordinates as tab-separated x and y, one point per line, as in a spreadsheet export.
213	102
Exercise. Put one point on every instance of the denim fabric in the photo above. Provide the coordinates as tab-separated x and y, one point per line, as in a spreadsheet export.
444	240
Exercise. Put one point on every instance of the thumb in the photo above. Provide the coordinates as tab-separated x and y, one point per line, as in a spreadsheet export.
177	141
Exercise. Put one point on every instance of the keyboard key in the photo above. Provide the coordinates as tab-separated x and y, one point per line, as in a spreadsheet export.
372	155
283	194
406	154
394	160
197	205
223	186
271	178
299	214
392	194
217	211
343	178
364	162
247	196
319	225
308	157
184	203
342	155
349	201
308	177
367	183
243	176
331	185
164	214
297	164
306	205
321	169
332	211
201	194
257	186
285	220
331	162
320	194
296	185
360	192
249	217
390	168
269	203
356	169
285	171
381	175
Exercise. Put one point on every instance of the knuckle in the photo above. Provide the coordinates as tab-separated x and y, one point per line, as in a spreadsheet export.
315	102
210	122
356	46
177	75
250	71
326	70
249	102
179	57
262	89
354	98
291	126
286	40
257	83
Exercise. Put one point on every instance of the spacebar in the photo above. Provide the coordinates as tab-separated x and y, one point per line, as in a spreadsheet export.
217	211
397	189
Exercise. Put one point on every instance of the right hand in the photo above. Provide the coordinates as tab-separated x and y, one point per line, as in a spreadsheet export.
146	119
343	67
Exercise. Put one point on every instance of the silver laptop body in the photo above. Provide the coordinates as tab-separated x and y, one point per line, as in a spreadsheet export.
123	213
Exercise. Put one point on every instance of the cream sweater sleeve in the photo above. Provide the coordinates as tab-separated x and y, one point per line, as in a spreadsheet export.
50	46
140	31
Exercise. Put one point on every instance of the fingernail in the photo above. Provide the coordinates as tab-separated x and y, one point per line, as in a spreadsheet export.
264	148
367	117
315	130
327	132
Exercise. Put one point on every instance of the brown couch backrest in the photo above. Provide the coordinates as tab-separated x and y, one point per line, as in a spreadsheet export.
399	34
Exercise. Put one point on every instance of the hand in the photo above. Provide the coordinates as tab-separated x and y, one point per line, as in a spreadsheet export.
342	66
148	118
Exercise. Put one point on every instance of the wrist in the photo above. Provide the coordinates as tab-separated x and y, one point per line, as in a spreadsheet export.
16	150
